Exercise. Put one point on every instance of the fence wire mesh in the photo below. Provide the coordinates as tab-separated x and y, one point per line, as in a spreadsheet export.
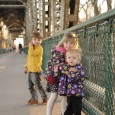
97	43
98	58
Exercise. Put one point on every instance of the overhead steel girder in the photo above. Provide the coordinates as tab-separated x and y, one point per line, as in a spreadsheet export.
13	0
12	6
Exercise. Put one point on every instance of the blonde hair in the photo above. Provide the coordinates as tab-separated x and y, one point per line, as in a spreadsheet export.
75	51
69	37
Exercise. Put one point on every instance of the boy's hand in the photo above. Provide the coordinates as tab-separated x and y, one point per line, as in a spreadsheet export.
26	70
31	43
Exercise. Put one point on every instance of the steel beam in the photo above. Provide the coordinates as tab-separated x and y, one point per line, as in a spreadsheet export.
8	0
12	6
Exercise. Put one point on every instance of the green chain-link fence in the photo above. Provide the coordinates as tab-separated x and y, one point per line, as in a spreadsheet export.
25	49
97	40
4	50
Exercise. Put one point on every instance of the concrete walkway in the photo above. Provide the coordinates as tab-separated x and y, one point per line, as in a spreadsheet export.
13	85
14	92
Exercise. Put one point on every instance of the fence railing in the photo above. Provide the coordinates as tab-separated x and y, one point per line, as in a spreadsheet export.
4	50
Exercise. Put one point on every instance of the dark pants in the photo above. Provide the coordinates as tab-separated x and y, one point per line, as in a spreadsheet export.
20	50
74	105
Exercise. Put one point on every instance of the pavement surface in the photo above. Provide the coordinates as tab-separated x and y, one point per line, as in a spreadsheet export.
14	92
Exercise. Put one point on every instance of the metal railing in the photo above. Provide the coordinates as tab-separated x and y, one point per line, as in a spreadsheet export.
97	40
4	50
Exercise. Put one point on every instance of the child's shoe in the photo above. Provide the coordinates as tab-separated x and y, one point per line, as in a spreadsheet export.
44	101
33	101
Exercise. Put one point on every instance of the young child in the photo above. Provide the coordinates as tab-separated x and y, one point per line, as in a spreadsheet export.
73	85
68	42
33	67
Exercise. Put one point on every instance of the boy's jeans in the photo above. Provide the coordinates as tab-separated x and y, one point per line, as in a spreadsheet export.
34	83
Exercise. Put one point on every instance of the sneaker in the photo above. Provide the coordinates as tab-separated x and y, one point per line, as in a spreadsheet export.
33	101
44	101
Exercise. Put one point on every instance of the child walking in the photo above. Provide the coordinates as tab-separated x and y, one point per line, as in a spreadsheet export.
33	67
68	42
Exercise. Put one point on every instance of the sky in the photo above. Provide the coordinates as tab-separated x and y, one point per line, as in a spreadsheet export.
101	3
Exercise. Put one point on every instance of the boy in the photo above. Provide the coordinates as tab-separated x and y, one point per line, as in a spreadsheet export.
33	67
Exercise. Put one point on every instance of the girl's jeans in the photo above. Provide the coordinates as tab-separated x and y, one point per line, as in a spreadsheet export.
34	83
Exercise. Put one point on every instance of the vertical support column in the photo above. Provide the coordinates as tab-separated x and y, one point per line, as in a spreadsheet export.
52	17
46	18
66	15
0	33
62	6
71	13
57	15
34	14
39	4
28	22
108	68
43	18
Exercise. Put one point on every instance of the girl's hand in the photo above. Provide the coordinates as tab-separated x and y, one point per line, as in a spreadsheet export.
67	73
56	68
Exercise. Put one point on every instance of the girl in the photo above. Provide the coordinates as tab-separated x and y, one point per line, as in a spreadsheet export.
73	72
68	42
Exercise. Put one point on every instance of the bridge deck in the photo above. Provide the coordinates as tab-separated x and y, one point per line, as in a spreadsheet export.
14	90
